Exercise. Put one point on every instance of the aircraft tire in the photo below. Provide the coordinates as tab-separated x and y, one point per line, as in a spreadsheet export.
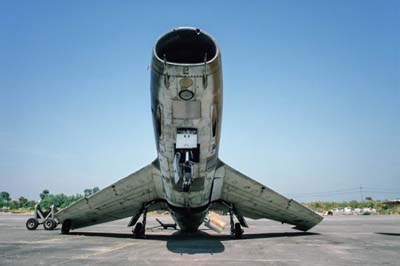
138	232
238	231
55	224
66	227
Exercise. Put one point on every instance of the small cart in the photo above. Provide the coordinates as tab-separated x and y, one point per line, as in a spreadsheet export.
47	218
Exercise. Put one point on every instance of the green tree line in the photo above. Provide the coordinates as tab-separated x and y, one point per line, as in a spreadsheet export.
46	200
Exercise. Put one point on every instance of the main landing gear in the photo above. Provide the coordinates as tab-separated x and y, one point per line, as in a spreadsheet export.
66	227
140	227
236	228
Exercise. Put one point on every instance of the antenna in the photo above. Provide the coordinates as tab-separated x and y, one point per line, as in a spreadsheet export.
361	193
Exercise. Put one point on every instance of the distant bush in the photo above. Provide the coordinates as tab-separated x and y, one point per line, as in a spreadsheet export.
380	206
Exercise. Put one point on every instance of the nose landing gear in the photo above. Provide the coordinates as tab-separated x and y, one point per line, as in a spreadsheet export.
184	170
187	176
186	155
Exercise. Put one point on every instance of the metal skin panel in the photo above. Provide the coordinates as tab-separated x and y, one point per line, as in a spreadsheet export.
186	109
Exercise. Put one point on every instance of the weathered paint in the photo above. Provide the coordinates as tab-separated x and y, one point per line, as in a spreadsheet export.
204	79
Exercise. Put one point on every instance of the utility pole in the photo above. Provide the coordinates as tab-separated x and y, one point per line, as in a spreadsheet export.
361	193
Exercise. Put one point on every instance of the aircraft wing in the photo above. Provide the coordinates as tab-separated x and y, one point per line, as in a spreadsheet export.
254	200
122	199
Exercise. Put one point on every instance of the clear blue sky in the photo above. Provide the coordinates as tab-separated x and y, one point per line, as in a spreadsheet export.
311	92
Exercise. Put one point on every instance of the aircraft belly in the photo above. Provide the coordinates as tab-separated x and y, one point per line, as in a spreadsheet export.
188	219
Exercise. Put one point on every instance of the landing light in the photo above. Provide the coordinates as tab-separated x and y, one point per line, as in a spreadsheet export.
186	95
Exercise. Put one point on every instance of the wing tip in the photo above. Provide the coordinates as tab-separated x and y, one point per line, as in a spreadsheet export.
307	226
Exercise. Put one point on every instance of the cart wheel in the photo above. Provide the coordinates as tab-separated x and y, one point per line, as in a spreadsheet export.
32	224
55	225
49	224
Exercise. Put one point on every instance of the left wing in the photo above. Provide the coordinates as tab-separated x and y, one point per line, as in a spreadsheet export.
122	199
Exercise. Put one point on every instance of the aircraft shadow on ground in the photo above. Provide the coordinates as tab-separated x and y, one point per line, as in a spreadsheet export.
388	234
194	243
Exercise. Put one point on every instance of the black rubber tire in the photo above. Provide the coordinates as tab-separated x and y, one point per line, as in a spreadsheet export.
55	225
32	224
66	227
138	232
49	224
186	188
238	231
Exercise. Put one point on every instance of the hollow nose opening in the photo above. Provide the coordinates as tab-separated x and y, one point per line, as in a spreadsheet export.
186	46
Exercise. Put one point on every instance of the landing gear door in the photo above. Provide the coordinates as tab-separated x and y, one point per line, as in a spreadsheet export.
186	139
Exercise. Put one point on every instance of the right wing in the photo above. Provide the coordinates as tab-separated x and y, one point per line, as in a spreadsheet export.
254	200
122	199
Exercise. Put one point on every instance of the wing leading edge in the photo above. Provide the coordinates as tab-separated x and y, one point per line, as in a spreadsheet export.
254	200
122	199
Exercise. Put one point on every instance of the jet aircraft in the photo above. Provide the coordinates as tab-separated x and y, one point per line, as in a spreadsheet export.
187	178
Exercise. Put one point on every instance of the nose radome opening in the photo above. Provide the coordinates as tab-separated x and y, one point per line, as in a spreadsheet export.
186	46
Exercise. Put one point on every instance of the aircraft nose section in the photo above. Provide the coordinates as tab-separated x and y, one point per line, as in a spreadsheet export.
186	46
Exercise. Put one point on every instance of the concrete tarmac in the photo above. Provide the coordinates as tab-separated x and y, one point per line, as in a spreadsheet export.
341	240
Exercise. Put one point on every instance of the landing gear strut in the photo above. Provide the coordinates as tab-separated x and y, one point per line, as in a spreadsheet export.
140	228
187	176
236	228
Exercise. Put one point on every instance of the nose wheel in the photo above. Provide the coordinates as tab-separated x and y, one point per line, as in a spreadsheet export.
186	187
187	175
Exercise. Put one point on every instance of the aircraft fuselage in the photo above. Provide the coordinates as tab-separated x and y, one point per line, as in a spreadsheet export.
186	104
